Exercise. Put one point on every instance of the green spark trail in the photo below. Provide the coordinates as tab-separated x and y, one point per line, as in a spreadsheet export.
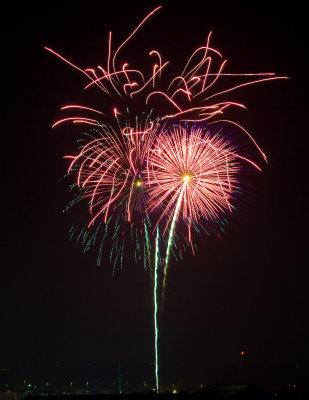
170	238
156	309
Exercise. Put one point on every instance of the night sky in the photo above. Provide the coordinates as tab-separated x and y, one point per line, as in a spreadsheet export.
248	292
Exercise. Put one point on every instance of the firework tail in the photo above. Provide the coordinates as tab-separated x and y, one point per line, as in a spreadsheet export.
156	309
170	238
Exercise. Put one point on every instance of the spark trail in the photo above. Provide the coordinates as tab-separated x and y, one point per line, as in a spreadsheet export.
171	234
156	310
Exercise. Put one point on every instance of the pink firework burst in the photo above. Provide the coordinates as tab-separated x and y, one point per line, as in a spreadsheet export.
193	174
108	168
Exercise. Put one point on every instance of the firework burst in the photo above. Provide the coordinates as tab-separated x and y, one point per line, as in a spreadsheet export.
109	176
169	163
193	175
109	168
200	168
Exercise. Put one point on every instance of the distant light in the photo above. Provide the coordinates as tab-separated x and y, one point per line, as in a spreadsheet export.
138	183
174	391
242	353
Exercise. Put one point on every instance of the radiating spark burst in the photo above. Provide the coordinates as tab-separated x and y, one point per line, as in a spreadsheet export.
192	174
108	172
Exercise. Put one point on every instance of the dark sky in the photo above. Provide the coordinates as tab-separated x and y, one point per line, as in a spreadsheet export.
248	292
